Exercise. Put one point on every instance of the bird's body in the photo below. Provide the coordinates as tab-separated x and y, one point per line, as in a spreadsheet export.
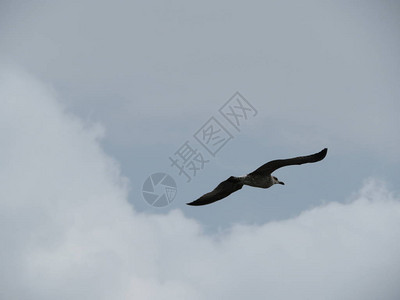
260	178
260	181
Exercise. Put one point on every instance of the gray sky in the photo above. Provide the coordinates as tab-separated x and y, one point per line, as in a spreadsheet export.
115	88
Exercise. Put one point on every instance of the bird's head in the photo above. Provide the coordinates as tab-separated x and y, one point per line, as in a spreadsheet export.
276	181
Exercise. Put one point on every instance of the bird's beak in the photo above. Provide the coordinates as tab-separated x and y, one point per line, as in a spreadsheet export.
280	182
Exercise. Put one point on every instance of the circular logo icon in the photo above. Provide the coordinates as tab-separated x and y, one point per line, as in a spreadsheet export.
159	189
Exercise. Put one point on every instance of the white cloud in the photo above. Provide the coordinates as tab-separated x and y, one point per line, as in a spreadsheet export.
68	231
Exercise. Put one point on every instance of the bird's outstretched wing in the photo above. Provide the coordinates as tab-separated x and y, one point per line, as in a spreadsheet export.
271	166
224	189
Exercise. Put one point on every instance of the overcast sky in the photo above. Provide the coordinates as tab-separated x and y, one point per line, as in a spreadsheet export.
96	96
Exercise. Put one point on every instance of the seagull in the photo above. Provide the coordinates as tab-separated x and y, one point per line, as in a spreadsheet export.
260	178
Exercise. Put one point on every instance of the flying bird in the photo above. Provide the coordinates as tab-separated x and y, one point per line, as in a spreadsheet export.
260	178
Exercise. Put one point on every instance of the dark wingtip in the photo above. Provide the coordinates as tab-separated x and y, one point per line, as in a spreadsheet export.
322	153
195	203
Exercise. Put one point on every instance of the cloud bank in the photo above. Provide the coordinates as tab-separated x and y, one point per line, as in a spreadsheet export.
68	231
